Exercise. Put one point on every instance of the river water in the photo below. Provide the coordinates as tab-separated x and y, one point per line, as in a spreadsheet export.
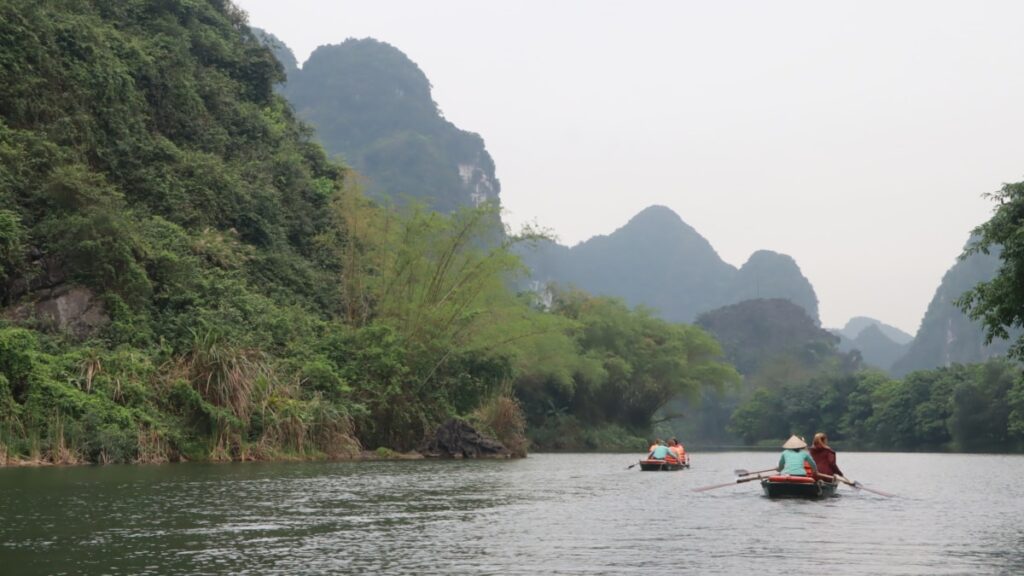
547	514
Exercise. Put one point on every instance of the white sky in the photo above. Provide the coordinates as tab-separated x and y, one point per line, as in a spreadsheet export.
856	137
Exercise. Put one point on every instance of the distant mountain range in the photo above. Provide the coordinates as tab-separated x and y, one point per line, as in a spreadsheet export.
879	344
857	324
372	106
659	261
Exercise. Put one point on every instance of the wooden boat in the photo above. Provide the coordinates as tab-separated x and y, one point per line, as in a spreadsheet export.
797	487
651	465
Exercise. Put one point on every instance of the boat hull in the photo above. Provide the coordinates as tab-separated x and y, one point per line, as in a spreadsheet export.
797	487
662	466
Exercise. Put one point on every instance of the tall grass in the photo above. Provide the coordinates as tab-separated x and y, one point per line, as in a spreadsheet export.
502	417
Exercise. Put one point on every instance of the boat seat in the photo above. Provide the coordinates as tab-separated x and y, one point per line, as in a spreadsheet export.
792	479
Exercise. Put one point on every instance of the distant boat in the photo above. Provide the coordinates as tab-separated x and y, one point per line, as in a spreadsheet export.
797	487
651	465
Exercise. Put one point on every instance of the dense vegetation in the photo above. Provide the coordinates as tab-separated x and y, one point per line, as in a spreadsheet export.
773	343
795	380
979	407
185	275
630	364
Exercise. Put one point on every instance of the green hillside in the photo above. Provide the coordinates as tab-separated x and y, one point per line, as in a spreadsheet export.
372	106
184	275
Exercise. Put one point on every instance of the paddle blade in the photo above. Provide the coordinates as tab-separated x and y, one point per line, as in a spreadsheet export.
858	486
873	490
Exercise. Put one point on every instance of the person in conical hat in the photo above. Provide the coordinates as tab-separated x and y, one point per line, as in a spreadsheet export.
794	443
795	461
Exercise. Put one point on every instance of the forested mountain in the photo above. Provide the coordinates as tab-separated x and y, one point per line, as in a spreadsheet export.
371	105
947	335
774	344
659	261
755	333
163	222
185	275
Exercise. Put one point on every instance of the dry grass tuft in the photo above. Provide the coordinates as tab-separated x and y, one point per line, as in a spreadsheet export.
503	417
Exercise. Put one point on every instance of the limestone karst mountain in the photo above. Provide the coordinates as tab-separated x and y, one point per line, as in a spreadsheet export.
372	105
659	261
947	335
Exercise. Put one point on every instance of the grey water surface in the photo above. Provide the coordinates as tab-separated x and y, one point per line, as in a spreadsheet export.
547	514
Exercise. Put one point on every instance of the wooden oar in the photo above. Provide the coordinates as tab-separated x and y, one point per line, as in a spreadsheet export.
743	472
737	481
859	486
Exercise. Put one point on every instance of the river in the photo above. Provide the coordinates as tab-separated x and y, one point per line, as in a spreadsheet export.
547	514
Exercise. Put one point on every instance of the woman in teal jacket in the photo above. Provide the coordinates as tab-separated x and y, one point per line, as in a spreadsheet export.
794	461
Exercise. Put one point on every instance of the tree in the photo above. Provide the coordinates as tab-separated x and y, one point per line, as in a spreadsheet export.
999	303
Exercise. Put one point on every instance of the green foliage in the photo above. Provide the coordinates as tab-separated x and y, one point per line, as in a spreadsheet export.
12	244
999	302
963	407
144	155
627	365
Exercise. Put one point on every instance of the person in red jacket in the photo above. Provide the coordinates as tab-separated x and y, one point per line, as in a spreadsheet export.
824	456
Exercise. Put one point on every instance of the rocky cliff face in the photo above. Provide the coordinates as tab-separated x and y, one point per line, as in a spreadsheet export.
947	335
659	261
371	105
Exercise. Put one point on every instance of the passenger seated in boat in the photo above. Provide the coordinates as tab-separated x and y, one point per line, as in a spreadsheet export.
794	461
660	452
677	448
824	456
655	444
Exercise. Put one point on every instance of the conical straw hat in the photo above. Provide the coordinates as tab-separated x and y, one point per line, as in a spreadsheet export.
794	443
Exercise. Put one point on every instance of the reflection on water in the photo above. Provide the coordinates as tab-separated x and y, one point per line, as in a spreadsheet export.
571	514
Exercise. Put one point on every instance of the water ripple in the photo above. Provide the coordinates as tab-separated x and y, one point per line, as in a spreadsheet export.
539	515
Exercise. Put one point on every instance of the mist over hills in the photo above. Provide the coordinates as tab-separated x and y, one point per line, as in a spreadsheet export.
875	346
758	331
854	326
880	344
372	106
659	261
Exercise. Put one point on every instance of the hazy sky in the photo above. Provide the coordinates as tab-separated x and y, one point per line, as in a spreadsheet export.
856	137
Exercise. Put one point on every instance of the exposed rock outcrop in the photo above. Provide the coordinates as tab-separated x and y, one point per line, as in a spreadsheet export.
74	310
457	439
